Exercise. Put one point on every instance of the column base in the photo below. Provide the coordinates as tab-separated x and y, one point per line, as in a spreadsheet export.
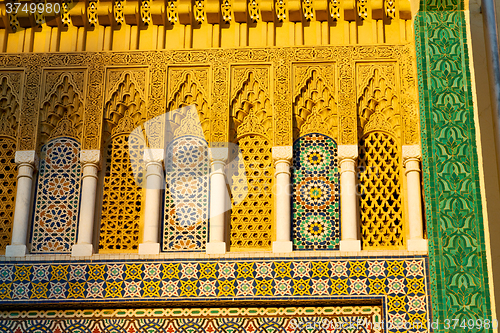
216	248
15	251
282	246
350	245
82	250
417	245
149	248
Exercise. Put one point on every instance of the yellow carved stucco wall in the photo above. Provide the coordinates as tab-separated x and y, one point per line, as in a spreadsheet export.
259	72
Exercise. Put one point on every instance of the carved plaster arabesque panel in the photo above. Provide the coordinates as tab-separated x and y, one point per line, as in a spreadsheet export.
62	108
315	100
251	104
281	59
188	86
10	102
125	97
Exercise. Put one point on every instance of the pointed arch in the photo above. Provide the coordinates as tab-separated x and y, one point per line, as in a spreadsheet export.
315	196
9	109
251	111
125	108
62	111
188	107
315	108
378	107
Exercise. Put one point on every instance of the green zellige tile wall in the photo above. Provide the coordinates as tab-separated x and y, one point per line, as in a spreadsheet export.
457	258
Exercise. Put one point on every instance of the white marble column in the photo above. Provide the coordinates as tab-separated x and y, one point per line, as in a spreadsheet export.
218	199
282	157
90	160
153	158
348	206
26	162
411	161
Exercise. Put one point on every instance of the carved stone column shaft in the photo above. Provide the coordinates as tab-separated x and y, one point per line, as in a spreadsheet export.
348	207
90	160
218	198
282	157
153	158
411	161
26	162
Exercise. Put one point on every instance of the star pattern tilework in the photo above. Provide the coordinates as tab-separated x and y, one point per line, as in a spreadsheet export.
401	282
55	221
315	181
186	195
169	320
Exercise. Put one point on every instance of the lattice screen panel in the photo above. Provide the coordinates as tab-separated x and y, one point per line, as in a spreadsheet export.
380	188
122	198
57	197
186	197
315	181
7	189
251	215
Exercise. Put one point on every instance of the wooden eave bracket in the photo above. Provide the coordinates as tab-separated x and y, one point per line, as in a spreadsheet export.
295	11
184	12
321	10
267	10
25	19
105	12
212	10
377	9
78	14
404	9
53	19
158	12
240	11
131	12
349	10
4	22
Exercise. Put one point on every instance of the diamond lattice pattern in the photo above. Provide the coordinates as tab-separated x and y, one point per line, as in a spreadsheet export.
380	192
7	189
251	215
122	198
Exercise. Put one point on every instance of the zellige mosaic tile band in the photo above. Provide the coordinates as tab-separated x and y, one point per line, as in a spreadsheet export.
457	257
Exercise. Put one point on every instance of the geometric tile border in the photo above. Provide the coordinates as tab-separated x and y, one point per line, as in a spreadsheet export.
399	283
457	254
271	319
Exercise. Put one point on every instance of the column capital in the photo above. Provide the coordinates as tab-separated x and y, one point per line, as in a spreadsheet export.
26	157
90	157
411	152
347	152
282	153
153	155
218	154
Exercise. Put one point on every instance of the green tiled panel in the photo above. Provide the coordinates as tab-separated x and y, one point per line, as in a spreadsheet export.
441	5
457	259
